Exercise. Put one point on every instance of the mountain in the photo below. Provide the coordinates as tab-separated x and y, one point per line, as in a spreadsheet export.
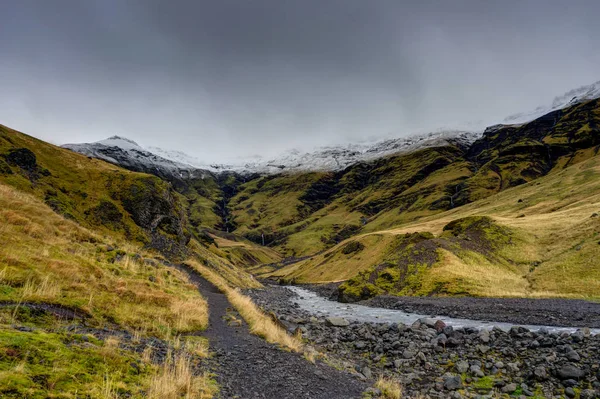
568	99
127	153
178	165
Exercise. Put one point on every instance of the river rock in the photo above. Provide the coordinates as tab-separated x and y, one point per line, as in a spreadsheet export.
509	388
452	383
462	366
573	356
337	322
570	371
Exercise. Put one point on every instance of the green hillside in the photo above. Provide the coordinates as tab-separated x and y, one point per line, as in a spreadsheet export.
303	214
536	239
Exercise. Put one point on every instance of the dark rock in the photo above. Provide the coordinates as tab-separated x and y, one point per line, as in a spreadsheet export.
452	383
23	158
570	371
439	326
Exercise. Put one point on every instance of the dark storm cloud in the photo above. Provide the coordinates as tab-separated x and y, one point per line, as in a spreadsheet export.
224	78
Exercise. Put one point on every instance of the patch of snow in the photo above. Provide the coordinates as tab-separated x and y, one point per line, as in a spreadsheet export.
572	97
127	153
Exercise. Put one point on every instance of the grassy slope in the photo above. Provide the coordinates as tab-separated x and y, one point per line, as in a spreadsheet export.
76	233
47	259
303	214
553	230
94	193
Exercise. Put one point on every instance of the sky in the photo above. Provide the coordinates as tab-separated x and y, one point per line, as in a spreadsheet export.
234	78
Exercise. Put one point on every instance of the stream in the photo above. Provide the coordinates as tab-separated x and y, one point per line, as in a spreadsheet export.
311	302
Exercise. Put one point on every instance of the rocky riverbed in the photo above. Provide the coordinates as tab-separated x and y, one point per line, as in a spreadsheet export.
438	361
550	312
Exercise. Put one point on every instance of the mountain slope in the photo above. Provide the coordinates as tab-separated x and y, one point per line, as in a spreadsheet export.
138	207
572	97
536	239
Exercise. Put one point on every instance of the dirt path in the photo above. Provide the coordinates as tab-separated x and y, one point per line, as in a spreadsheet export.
248	367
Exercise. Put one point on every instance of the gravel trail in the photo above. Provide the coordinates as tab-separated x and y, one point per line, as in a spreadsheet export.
248	367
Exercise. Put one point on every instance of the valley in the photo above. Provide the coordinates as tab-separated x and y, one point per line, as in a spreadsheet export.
152	277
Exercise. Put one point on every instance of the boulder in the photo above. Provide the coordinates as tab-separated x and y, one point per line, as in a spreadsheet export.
570	371
337	322
452	383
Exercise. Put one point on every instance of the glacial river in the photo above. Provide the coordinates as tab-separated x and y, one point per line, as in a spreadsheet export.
317	305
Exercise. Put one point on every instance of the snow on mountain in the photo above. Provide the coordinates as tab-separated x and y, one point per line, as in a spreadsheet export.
128	154
333	158
571	97
178	165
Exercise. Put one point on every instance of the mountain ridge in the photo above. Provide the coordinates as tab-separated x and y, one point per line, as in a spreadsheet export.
175	164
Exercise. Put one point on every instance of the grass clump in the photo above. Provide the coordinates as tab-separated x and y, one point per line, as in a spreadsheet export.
390	389
176	379
41	364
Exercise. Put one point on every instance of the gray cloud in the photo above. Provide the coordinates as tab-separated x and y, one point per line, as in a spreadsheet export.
225	78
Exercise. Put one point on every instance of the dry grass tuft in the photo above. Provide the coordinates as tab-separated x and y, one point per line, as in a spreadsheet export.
176	380
190	312
390	389
45	289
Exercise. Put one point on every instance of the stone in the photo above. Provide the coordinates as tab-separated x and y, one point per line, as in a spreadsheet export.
452	383
570	371
429	322
589	394
586	332
514	367
570	392
337	322
360	345
540	373
573	356
509	388
367	372
439	326
462	366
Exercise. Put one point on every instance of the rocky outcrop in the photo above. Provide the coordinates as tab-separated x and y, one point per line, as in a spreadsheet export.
153	207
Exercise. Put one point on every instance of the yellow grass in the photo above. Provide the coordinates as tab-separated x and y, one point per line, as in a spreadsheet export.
553	221
390	389
176	380
46	258
260	324
45	289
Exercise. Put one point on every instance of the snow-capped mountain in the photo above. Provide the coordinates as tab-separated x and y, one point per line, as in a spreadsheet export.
178	165
130	155
571	97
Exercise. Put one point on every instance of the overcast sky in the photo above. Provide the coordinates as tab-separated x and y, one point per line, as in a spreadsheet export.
224	78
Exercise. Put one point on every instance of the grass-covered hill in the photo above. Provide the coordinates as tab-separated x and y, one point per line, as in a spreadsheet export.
303	214
537	239
90	304
93	193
